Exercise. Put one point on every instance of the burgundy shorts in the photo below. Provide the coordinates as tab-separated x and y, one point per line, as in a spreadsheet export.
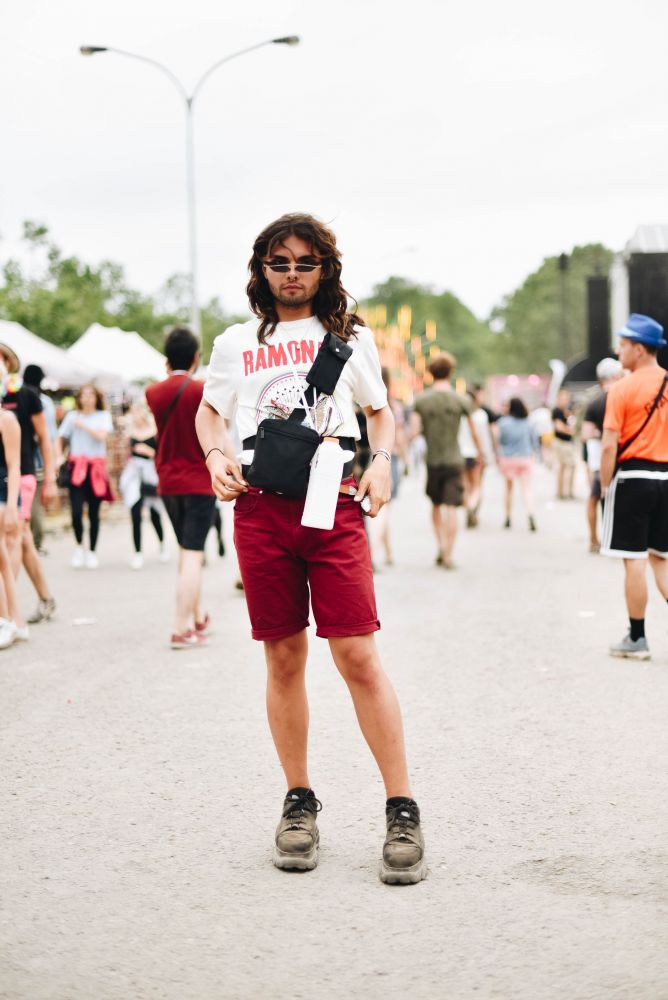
281	561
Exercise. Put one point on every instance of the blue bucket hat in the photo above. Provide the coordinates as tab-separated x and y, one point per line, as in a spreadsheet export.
644	330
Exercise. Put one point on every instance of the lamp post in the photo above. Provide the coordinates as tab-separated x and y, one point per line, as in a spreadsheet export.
188	101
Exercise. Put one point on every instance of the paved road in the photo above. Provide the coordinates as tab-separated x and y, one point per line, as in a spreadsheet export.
140	790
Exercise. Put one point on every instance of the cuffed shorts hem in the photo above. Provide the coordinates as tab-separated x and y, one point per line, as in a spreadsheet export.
280	632
343	631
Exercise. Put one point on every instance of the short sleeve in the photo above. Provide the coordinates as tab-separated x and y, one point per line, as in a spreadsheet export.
106	423
33	402
65	429
466	406
614	408
219	388
369	388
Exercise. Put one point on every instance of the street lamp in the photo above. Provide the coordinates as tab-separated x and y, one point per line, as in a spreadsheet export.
188	100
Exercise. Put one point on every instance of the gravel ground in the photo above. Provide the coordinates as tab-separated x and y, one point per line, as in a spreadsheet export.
140	789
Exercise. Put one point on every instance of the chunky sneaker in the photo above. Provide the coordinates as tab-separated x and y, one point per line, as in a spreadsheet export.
297	837
78	558
137	561
631	649
90	561
187	640
403	860
44	611
22	633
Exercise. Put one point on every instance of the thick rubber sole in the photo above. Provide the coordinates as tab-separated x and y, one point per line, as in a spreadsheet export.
403	876
631	656
296	862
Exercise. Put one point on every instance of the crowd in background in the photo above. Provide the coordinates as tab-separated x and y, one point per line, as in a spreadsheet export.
105	454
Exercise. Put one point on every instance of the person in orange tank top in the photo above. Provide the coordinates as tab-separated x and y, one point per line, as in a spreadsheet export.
634	474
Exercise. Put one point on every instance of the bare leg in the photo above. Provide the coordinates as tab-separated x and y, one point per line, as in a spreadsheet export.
33	564
509	499
287	705
437	522
635	587
570	475
7	573
526	489
15	549
376	706
592	520
660	569
560	481
449	531
188	587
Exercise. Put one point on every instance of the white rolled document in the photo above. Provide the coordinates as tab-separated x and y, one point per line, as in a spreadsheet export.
323	485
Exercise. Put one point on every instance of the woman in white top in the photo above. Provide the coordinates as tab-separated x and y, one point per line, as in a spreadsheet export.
84	431
474	465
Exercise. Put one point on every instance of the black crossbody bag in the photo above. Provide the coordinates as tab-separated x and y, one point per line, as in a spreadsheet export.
284	449
622	447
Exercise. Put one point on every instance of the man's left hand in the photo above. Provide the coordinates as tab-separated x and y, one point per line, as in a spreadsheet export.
376	483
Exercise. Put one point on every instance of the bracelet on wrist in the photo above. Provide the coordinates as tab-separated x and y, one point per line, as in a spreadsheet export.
214	449
384	452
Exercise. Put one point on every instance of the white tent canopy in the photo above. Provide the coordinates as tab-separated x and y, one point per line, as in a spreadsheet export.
116	352
59	368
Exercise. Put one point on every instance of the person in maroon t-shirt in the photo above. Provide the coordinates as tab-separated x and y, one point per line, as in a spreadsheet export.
184	481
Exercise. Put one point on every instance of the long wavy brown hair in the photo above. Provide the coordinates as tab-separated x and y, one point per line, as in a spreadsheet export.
330	304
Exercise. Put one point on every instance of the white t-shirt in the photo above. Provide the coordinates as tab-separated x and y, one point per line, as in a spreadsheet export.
81	442
251	381
465	438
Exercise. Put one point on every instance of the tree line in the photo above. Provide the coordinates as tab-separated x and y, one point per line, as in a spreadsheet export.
58	297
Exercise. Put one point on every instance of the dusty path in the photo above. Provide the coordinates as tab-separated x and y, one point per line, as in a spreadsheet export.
140	791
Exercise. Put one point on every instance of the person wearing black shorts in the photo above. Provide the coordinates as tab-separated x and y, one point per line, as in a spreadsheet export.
184	482
634	474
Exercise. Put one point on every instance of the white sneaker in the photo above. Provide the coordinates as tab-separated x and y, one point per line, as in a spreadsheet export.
78	558
22	633
90	561
165	554
137	561
8	632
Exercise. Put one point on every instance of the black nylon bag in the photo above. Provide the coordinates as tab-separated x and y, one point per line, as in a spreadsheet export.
282	457
328	365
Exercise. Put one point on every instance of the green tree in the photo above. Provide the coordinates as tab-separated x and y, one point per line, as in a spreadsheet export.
546	317
59	297
457	329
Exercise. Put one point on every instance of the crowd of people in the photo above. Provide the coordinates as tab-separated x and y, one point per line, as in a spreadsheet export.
257	437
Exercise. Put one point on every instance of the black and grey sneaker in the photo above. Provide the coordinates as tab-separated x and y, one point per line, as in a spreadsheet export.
403	861
297	837
631	649
44	611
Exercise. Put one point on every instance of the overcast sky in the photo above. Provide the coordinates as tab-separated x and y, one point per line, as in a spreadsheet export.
454	143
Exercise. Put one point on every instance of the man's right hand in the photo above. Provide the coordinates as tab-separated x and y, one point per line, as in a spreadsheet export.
226	478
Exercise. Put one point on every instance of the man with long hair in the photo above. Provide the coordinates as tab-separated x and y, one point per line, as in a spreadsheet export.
257	372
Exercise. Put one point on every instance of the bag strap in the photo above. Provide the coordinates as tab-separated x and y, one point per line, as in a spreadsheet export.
623	447
172	405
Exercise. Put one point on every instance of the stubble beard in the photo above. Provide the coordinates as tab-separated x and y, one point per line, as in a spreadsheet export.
295	301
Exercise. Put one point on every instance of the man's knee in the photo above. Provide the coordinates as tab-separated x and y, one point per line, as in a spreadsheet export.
358	663
286	658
